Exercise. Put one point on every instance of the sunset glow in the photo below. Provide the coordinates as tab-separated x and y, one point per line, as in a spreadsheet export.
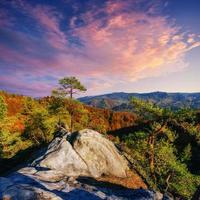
113	45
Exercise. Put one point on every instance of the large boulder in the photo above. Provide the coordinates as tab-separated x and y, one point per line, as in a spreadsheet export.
100	154
61	157
84	153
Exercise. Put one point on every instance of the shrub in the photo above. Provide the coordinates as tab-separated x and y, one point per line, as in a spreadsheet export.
3	108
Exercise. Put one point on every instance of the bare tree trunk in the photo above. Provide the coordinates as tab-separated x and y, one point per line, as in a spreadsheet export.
151	142
167	182
71	110
33	136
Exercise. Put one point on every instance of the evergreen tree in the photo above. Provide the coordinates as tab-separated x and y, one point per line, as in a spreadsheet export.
69	86
156	120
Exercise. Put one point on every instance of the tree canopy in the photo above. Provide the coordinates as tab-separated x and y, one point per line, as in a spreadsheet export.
3	108
68	86
164	146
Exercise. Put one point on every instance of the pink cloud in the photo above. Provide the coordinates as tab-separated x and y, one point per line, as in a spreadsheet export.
132	43
129	43
125	46
49	20
14	84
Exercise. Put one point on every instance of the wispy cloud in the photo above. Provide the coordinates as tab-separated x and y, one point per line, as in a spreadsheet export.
118	40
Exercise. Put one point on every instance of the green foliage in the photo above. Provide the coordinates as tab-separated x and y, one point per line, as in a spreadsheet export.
155	142
145	109
100	127
71	82
56	105
117	140
185	115
11	143
120	101
59	93
3	108
80	116
171	139
29	105
69	85
133	139
172	173
10	138
137	144
39	126
186	154
58	108
29	124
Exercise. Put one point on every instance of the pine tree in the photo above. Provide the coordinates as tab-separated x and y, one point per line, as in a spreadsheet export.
69	86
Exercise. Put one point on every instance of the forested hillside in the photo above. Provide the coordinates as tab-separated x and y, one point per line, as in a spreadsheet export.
27	122
163	146
120	101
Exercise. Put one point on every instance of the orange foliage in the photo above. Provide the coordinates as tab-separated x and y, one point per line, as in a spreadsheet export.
102	120
18	126
112	120
14	103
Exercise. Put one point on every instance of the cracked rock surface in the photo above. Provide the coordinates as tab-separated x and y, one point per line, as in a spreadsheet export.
83	153
27	186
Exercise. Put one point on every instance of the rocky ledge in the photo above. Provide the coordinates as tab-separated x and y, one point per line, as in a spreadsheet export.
80	165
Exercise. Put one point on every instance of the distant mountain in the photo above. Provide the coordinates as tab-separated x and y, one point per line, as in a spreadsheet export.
120	101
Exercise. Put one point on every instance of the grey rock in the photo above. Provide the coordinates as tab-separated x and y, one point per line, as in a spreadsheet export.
27	192
158	196
22	185
88	154
62	158
100	154
101	195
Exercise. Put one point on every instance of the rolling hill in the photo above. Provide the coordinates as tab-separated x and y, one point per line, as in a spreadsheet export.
120	101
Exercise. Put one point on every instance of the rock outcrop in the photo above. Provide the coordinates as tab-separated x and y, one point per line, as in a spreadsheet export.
61	157
74	167
100	154
84	153
19	186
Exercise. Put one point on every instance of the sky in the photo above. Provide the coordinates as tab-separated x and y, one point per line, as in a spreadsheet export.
109	45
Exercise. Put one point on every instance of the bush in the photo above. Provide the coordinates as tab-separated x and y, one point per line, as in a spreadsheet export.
3	108
10	138
40	127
